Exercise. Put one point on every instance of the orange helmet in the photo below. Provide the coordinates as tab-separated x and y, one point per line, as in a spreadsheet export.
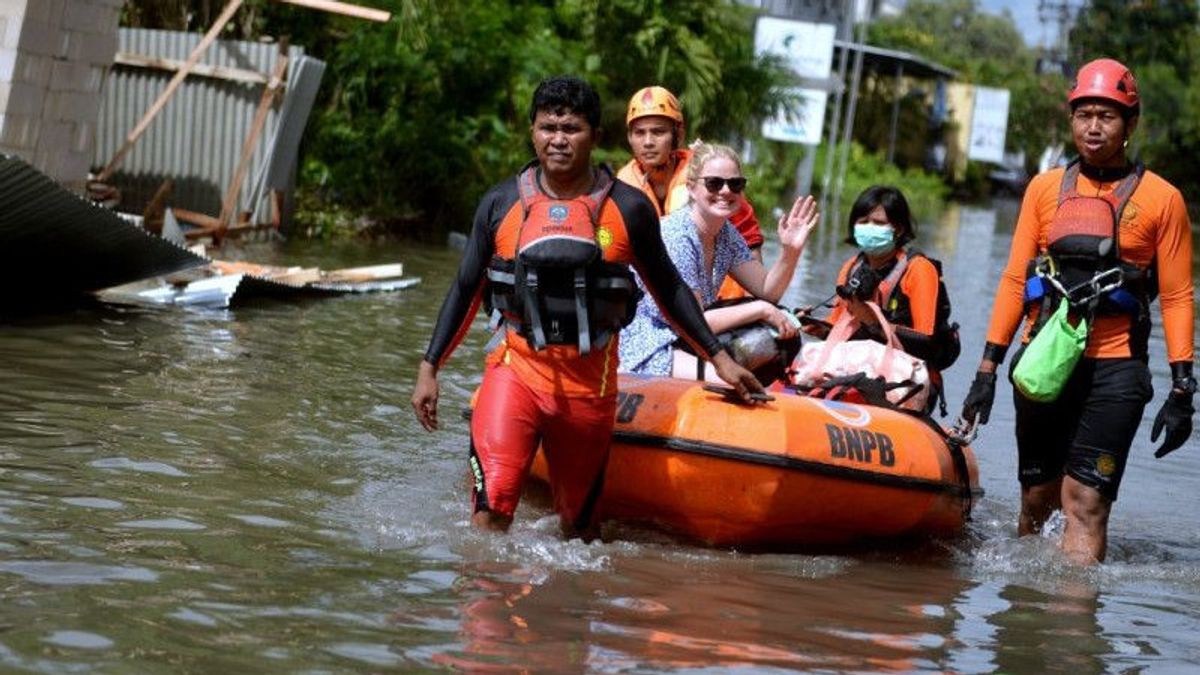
1105	79
654	101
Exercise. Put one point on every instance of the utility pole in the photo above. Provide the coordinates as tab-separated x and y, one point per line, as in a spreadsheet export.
845	33
1062	14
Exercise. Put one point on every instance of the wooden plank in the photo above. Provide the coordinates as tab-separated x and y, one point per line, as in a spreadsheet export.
201	220
276	200
305	276
193	235
200	69
257	269
155	211
240	228
344	8
230	203
226	14
368	273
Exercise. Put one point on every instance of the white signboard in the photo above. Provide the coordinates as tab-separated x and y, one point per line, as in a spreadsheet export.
806	48
803	127
989	124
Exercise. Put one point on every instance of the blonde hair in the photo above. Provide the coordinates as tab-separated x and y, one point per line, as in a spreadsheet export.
703	152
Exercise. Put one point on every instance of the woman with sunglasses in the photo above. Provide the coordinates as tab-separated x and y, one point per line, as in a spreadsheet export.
706	247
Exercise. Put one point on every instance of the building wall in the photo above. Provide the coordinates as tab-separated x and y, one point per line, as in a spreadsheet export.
960	98
54	56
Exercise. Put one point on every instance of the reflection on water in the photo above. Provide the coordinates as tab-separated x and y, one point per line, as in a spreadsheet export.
247	492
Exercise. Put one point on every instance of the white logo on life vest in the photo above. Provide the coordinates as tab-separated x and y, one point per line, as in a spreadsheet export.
847	413
558	213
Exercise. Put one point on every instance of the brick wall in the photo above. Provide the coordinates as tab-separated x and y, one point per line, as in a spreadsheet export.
54	55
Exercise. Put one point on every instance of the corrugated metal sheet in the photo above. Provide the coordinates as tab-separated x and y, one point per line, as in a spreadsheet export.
197	138
53	244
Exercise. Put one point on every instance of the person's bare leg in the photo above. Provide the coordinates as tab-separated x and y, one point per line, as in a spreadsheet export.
1037	503
494	522
1085	538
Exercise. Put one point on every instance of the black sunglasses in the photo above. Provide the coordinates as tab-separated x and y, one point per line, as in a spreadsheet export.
714	184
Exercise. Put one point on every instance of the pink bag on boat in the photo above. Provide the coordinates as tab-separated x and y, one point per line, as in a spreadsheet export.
840	356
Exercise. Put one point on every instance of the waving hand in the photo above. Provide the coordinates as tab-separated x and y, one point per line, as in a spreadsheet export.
797	224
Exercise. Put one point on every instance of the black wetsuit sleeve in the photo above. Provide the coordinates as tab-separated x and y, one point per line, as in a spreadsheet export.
466	291
918	344
656	269
914	342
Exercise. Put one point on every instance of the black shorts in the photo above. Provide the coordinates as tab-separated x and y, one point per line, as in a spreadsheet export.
1087	432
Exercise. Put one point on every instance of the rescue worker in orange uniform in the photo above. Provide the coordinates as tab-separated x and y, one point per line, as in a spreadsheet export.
903	282
659	166
1101	222
549	251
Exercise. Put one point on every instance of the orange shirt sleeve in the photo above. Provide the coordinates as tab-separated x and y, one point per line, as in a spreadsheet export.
1173	252
920	285
1008	306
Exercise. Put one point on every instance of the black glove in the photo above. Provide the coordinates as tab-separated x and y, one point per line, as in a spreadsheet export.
979	400
1176	417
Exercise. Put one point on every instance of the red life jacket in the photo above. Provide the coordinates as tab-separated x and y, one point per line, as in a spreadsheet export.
559	289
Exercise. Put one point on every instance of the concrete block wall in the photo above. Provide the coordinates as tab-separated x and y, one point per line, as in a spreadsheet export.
54	56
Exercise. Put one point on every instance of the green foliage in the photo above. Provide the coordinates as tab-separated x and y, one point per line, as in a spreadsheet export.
986	50
417	116
1138	32
925	192
957	34
772	174
1160	42
873	120
424	114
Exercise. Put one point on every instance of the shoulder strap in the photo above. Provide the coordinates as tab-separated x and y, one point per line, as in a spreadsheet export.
1067	187
527	187
595	199
891	283
1125	189
1120	197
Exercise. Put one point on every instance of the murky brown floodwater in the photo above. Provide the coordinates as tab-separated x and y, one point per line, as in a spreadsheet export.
247	491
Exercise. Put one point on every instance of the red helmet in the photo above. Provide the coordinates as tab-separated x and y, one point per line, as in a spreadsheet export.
1105	79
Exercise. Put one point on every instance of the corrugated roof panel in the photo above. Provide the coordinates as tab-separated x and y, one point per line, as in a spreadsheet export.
53	243
199	133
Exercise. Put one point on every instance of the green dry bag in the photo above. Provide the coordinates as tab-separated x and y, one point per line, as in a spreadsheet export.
1050	357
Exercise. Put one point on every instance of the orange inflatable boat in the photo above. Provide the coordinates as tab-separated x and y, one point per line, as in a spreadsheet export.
791	473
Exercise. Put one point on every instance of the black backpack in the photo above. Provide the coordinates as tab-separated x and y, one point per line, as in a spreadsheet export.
947	345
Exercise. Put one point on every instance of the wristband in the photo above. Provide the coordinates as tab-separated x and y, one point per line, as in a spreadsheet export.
994	352
1181	378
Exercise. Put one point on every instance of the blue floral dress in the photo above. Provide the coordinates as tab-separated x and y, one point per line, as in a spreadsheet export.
645	345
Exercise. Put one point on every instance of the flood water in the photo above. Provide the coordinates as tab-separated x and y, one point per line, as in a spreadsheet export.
247	491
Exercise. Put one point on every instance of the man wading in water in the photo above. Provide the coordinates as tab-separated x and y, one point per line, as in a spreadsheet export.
1112	235
550	249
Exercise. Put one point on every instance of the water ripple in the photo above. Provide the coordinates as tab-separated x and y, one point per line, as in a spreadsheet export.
57	573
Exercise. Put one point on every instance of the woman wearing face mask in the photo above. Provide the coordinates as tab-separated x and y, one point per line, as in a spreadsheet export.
706	247
904	283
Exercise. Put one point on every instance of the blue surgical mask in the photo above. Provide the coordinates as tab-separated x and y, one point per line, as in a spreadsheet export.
873	239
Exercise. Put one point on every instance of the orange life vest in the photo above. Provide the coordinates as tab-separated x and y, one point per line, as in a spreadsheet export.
558	289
